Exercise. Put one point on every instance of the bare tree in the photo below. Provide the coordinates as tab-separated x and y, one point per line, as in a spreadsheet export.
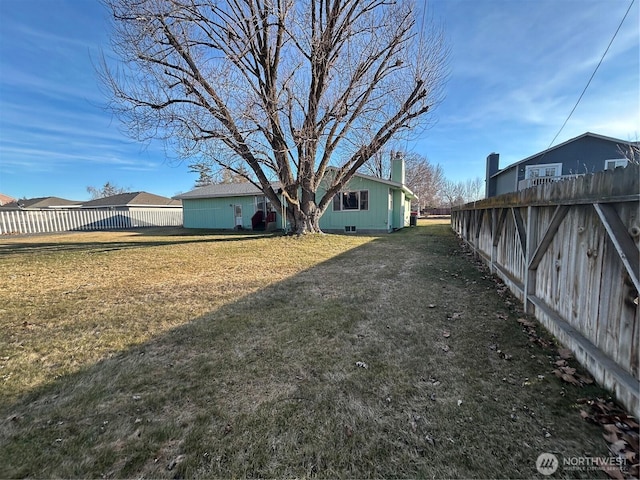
459	193
452	193
630	151
288	87
473	190
228	175
379	165
423	178
107	190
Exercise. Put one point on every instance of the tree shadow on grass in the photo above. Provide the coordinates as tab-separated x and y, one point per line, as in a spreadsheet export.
338	371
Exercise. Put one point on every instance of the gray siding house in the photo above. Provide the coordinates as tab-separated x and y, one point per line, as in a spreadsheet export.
587	153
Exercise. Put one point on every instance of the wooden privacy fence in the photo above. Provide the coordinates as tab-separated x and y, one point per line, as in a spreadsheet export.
62	220
570	252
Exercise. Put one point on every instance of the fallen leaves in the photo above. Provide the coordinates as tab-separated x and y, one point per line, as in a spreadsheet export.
565	353
620	433
570	375
530	329
526	323
566	374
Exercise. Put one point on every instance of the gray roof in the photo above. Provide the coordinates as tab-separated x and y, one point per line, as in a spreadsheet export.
244	189
544	152
40	202
247	189
139	199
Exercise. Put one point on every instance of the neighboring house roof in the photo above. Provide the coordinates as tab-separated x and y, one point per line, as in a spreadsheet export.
4	199
217	190
571	140
41	202
133	199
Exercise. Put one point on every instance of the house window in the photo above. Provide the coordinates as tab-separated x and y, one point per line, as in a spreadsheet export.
544	170
264	204
352	200
614	163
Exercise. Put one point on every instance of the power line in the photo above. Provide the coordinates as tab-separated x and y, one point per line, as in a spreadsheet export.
593	74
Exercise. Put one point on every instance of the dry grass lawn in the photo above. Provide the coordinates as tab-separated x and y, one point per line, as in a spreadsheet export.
169	354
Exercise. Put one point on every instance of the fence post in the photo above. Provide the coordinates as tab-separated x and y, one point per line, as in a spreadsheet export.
531	243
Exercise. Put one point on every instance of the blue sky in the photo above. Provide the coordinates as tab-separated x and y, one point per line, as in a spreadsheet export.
517	69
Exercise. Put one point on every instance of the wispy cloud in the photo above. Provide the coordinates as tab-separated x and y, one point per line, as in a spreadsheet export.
529	65
68	85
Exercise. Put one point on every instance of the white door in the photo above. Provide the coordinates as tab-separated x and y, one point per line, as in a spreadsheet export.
237	212
390	213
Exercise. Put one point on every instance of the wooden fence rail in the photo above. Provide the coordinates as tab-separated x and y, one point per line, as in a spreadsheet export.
570	252
62	220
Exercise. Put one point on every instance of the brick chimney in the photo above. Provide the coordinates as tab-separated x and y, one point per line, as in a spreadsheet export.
493	160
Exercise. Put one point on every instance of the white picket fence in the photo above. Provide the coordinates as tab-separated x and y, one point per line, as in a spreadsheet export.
63	220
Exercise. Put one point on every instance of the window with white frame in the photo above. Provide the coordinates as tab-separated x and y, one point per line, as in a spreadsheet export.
264	204
351	200
543	170
614	163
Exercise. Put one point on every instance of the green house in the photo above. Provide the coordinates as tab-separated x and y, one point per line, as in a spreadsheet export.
370	204
228	206
367	204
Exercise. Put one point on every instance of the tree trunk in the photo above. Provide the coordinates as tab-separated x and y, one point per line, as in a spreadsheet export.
304	218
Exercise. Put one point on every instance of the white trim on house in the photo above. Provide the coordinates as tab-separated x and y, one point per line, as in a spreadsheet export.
543	170
340	202
613	163
237	215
